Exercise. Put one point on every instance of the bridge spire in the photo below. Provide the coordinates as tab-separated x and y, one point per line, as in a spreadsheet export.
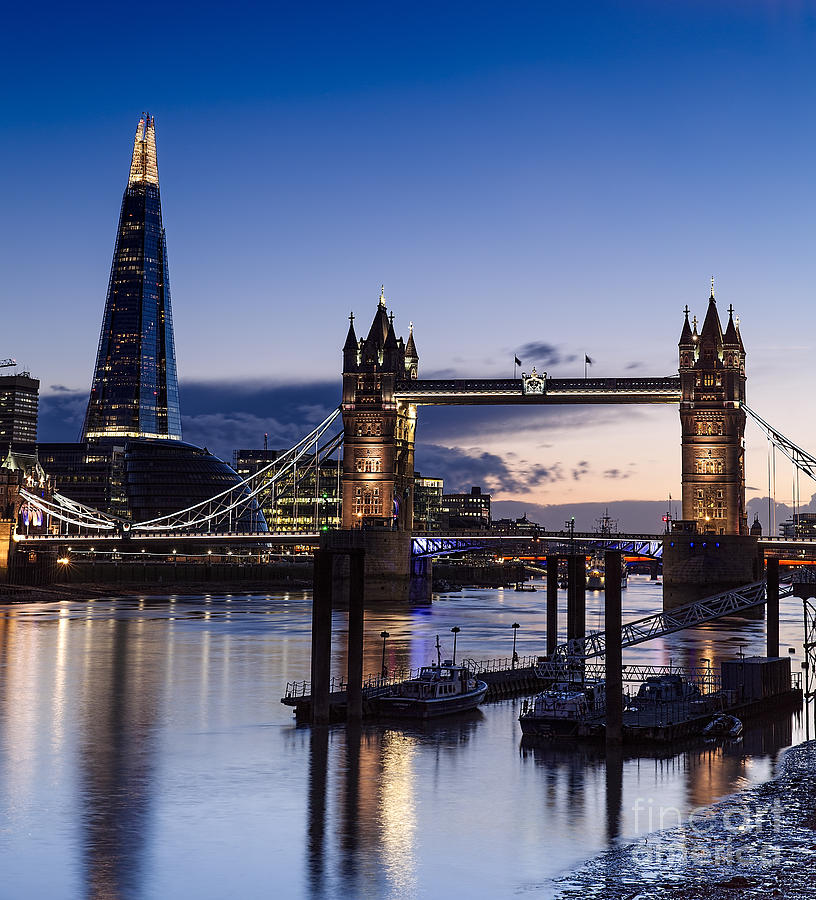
686	337
350	347
731	338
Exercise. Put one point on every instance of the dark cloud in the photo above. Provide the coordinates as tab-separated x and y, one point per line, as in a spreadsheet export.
462	468
223	416
633	365
61	389
457	424
540	354
581	469
618	473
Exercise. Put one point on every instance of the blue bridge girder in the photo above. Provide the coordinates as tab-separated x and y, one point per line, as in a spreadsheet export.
429	544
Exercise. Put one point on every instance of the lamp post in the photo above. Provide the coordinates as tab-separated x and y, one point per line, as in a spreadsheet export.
515	626
707	676
455	631
383	671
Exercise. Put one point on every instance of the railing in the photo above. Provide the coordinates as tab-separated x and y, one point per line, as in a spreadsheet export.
484	666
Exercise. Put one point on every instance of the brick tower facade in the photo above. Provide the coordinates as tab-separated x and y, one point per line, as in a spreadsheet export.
712	380
379	431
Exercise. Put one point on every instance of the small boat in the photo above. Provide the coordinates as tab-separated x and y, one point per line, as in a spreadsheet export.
665	689
560	711
524	586
595	578
723	726
437	691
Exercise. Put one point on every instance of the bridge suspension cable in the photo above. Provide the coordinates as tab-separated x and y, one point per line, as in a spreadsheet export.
224	509
232	503
802	460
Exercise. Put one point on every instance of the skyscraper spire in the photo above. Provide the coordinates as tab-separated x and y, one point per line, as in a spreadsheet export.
135	389
143	166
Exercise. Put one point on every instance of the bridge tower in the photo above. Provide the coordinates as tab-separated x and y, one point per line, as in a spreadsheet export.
379	431
712	382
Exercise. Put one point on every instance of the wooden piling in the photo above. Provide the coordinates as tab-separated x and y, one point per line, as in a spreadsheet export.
321	636
552	603
772	606
614	653
354	707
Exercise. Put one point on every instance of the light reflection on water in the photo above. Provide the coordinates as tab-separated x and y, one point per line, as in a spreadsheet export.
144	753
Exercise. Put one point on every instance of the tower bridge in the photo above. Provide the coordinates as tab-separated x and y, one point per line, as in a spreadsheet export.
376	423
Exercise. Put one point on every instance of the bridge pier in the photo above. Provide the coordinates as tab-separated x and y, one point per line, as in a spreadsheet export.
700	565
576	596
552	603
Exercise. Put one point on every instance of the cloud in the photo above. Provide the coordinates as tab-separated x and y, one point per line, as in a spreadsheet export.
223	416
457	425
60	389
541	354
581	469
633	365
461	468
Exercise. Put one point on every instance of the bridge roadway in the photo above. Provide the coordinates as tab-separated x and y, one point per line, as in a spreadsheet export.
425	543
504	391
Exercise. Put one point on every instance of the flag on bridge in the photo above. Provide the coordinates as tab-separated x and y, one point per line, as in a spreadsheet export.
518	361
587	362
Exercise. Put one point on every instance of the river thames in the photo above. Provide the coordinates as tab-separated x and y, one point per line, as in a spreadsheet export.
144	753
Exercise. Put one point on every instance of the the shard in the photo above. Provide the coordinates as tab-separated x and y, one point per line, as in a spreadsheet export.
135	388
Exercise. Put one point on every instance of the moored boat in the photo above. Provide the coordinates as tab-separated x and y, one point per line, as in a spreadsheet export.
437	691
561	711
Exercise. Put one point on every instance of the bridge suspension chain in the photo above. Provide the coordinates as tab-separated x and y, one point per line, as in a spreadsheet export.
801	459
228	506
225	508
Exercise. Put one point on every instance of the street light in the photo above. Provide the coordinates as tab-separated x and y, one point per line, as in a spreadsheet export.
515	626
455	631
384	672
707	662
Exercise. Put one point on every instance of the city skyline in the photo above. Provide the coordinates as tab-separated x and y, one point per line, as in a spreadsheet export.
528	189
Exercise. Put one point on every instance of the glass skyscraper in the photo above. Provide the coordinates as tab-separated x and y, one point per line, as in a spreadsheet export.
135	388
131	460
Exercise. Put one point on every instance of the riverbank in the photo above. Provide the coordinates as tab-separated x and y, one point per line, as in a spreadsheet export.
94	590
758	844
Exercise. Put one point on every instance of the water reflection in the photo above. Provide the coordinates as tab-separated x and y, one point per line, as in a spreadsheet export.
362	821
144	753
119	706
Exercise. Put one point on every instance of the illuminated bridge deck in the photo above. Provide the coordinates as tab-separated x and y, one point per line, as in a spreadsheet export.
503	391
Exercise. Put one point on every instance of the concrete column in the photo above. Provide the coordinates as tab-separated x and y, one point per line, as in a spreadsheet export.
576	597
552	603
321	636
354	696
612	624
772	604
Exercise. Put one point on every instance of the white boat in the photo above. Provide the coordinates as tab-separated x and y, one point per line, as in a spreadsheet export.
437	691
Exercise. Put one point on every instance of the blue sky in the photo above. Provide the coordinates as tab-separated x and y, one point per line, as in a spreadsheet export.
561	174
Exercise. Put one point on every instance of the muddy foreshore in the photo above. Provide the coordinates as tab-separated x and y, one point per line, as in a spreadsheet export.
758	844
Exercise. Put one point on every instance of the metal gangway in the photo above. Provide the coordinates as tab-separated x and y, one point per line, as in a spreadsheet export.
728	603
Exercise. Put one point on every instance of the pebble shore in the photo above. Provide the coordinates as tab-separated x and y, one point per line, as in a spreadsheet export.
758	844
